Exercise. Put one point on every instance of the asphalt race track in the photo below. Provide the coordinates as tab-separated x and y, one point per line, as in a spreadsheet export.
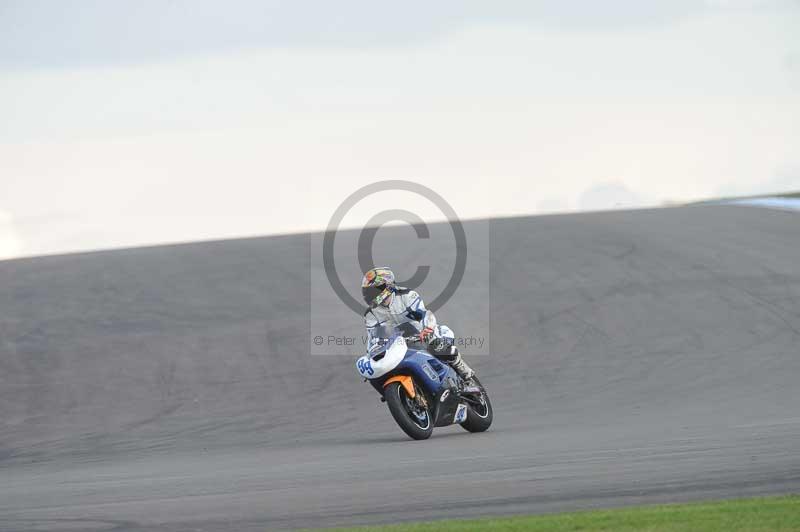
637	357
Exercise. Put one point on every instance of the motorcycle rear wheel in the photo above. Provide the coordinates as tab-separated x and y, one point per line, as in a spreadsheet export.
479	417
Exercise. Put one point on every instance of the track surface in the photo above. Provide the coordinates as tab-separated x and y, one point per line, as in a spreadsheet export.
640	356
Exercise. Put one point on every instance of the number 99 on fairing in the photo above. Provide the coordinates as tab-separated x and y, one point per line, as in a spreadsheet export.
364	367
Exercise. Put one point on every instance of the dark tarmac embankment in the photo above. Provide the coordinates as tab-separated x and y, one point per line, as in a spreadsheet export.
639	356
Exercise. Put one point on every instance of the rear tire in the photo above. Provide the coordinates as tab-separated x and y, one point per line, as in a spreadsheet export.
479	418
413	419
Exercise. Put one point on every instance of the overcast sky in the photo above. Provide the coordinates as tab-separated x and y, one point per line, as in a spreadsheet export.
137	122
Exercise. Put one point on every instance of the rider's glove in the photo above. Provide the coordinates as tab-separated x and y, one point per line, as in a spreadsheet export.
426	334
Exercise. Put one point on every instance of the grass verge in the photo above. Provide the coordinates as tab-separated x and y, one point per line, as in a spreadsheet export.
759	514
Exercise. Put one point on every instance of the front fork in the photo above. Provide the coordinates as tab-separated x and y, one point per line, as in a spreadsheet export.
411	389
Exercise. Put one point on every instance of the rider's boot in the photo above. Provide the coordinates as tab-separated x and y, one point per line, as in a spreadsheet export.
461	367
448	353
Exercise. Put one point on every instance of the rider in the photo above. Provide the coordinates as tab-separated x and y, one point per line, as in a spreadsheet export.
397	307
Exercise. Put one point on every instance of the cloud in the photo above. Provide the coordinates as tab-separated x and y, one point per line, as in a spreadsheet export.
93	32
10	242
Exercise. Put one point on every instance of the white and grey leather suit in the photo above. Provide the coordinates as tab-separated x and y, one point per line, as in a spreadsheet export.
406	312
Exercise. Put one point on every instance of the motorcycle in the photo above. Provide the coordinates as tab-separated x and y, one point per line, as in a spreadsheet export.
421	391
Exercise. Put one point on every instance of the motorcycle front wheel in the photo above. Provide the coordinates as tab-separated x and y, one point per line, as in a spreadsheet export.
412	416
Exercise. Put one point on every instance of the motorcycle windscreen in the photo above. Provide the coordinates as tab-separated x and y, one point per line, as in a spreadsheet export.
381	333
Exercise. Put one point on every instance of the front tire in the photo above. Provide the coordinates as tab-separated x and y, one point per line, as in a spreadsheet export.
413	418
479	417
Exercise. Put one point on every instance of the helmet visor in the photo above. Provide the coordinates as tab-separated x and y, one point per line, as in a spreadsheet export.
369	293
